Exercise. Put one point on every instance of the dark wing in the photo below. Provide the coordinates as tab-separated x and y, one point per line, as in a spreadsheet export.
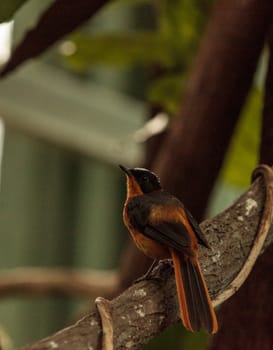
170	234
197	230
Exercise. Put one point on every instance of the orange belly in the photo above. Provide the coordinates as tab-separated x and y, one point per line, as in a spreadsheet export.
149	247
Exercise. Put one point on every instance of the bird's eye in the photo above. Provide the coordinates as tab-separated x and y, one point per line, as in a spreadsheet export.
145	178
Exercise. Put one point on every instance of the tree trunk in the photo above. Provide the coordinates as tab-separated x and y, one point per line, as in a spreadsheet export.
191	157
246	321
266	150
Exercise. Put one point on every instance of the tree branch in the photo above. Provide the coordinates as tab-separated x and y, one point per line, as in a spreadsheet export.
59	19
48	281
255	318
147	308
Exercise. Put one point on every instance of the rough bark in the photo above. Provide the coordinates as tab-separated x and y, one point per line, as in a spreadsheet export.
249	315
148	307
191	157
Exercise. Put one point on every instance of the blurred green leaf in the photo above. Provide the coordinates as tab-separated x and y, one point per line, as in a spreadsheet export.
8	9
198	340
131	1
166	91
171	47
171	338
176	337
181	22
118	50
242	156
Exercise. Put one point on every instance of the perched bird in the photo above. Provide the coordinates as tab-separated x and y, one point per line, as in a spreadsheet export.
163	228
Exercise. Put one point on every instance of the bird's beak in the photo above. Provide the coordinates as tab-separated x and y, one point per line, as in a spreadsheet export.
126	170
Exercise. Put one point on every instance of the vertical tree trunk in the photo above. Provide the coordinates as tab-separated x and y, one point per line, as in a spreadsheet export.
218	84
266	150
246	321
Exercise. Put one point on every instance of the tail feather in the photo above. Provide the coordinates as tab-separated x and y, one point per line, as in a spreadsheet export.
192	295
194	301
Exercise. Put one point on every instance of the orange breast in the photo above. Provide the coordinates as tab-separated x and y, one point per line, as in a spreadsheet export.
149	247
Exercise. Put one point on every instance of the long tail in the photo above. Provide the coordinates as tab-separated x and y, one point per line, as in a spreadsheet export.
196	310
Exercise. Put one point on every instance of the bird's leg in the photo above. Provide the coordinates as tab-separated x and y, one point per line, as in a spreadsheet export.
150	269
147	275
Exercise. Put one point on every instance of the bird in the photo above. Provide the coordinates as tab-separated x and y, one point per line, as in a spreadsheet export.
162	228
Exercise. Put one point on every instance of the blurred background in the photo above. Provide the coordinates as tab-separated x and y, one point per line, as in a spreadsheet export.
69	117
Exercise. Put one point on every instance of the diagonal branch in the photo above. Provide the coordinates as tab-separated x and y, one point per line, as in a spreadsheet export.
147	308
61	18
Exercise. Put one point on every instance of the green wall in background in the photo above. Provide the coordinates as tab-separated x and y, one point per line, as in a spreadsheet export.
57	209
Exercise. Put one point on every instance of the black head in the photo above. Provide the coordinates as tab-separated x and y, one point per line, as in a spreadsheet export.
147	180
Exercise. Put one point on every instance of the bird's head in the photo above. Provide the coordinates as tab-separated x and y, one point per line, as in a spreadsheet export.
145	179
